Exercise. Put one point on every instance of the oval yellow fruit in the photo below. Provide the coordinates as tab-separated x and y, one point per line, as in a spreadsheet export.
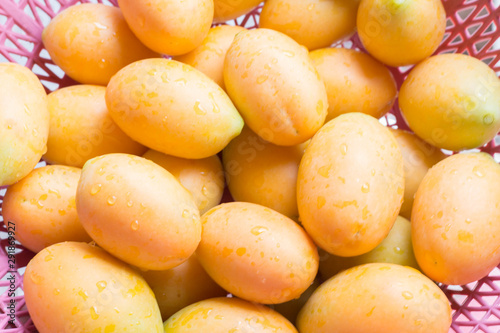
455	229
91	42
42	209
348	167
452	101
355	82
274	85
256	253
227	315
76	287
24	122
312	23
137	211
173	108
385	298
169	26
400	32
81	128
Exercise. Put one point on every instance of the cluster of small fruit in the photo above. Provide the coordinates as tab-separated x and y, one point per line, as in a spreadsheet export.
134	169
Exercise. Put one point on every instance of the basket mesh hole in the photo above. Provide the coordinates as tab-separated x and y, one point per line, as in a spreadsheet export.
43	17
491	28
56	70
479	46
482	14
28	46
472	29
457	40
39	71
464	13
52	86
488	60
27	10
44	54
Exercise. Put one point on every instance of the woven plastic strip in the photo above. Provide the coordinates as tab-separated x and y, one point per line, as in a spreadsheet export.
473	27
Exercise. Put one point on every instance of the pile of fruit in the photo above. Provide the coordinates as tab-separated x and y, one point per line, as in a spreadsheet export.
126	219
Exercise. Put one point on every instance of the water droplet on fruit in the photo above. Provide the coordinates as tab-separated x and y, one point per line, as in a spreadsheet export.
258	230
205	191
311	6
101	285
407	295
321	202
289	53
134	225
35	278
57	292
398	250
365	188
199	110
111	200
93	313
468	221
343	149
478	172
324	170
130	204
185	213
261	79
142	21
488	119
95	189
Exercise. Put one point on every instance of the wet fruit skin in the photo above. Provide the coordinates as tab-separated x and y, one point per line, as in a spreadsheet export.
312	23
275	87
342	177
91	42
401	32
90	290
227	315
256	253
168	26
41	208
81	127
355	82
199	122
147	221
452	101
455	229
24	122
387	298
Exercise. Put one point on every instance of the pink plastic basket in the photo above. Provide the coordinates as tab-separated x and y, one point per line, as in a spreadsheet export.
473	28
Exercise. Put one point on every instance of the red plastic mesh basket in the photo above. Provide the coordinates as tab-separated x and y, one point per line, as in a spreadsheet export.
473	28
